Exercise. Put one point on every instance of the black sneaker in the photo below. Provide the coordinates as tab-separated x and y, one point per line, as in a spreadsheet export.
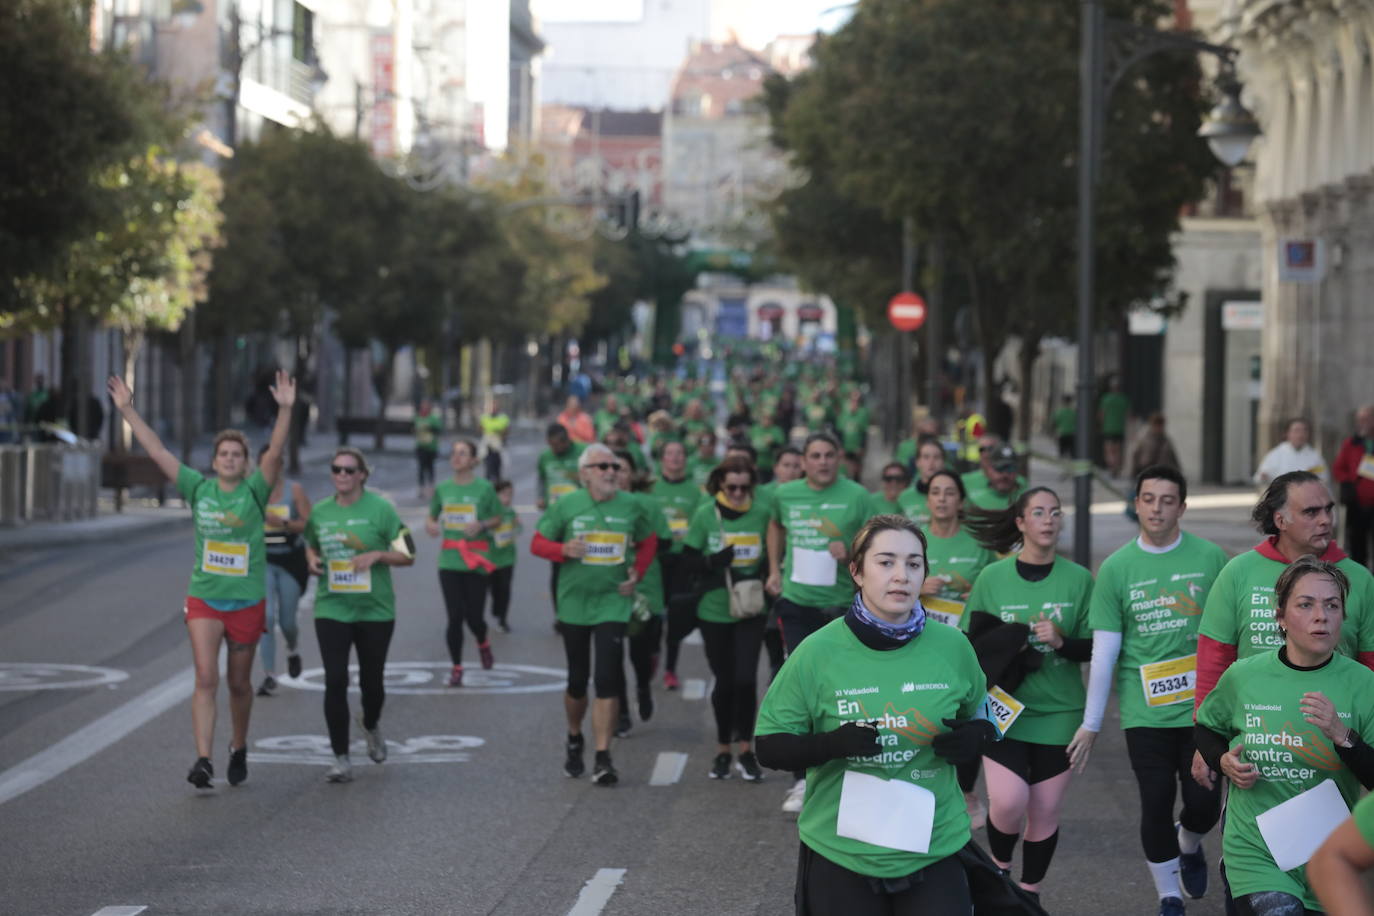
748	766
646	703
604	774
501	622
201	773
238	765
269	685
623	725
1192	871
575	766
293	665
720	767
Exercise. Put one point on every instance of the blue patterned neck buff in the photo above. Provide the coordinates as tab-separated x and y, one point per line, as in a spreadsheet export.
901	632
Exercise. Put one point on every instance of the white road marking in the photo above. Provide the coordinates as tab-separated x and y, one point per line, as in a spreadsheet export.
119	911
432	677
596	893
90	740
46	676
694	688
668	768
693	639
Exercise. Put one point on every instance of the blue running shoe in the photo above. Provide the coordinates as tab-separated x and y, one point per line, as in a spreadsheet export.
1192	872
1170	906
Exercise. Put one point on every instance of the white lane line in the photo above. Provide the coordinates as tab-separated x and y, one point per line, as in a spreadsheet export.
596	893
693	639
668	768
694	688
119	911
90	740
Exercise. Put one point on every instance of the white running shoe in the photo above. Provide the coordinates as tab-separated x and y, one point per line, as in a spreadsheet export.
341	770
376	746
792	804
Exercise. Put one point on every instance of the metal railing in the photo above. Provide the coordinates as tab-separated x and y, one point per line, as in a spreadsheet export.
49	482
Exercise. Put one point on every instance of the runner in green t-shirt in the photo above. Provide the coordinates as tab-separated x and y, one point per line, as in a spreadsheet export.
503	554
812	522
604	541
678	496
1145	611
352	540
704	460
894	482
767	437
876	706
464	509
1113	410
428	425
852	425
1288	724
645	630
995	484
928	457
225	602
557	466
1047	597
728	533
1065	422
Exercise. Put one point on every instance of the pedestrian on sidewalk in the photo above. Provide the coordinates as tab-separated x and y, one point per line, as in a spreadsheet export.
1294	453
495	425
226	600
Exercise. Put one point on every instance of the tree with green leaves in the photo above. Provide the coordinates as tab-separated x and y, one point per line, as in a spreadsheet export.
962	115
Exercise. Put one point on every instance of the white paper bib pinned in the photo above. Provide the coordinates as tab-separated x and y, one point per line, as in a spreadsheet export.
813	567
1294	829
886	812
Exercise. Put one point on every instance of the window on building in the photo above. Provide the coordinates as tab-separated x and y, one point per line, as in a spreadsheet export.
302	34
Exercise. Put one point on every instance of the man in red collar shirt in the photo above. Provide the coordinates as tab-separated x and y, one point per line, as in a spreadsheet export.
1296	515
1354	470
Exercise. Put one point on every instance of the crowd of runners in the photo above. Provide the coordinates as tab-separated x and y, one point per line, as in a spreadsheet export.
934	666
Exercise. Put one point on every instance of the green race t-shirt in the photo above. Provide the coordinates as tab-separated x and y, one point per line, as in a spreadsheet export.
905	454
831	679
982	495
1240	607
1065	421
813	518
698	469
767	441
915	506
1256	705
853	428
454	505
748	534
957	560
338	534
587	587
1114	407
558	473
503	539
678	500
231	546
650	588
427	429
1054	694
881	505
1155	601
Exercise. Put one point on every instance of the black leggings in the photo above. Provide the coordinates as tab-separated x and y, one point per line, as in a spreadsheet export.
732	651
500	580
336	638
827	889
424	465
465	595
682	620
644	652
577	645
798	621
1162	759
1272	903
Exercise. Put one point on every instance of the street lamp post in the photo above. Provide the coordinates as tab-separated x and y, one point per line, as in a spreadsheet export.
1229	130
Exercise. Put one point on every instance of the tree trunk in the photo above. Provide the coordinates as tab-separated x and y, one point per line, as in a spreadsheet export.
223	354
70	354
1030	351
382	382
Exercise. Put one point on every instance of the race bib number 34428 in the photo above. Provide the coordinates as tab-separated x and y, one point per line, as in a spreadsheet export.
225	558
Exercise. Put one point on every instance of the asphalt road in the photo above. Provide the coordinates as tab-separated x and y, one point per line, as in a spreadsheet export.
470	815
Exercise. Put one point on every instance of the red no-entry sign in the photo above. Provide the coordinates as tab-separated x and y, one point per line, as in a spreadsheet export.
906	311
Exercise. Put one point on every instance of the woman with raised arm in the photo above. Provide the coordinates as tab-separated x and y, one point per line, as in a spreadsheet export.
226	600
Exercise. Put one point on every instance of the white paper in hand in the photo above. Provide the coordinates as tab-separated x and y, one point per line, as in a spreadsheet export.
886	812
1293	830
812	567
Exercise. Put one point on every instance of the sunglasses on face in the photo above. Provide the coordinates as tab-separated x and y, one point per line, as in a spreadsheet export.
893	478
736	488
605	466
342	469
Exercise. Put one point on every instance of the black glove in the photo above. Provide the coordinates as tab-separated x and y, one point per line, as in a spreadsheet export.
965	740
721	558
852	739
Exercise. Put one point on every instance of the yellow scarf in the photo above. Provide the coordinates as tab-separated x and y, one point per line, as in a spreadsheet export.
733	507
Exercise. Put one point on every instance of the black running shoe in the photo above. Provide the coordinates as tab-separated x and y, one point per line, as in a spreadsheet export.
604	774
293	665
646	703
269	685
720	767
748	766
574	765
501	622
238	765
201	773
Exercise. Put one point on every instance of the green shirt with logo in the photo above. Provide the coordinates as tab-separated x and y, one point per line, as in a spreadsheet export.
853	427
678	500
698	469
558	473
1155	601
982	495
503	537
427	430
454	505
915	506
231	547
338	534
767	441
813	519
1053	694
749	536
1256	705
588	587
957	561
1114	406
832	678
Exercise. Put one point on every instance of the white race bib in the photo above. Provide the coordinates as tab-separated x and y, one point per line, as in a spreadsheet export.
457	515
678	525
885	812
225	558
604	548
1295	829
278	514
813	567
344	580
748	547
559	490
1170	681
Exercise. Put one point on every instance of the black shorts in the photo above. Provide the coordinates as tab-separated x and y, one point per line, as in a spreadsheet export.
1032	762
